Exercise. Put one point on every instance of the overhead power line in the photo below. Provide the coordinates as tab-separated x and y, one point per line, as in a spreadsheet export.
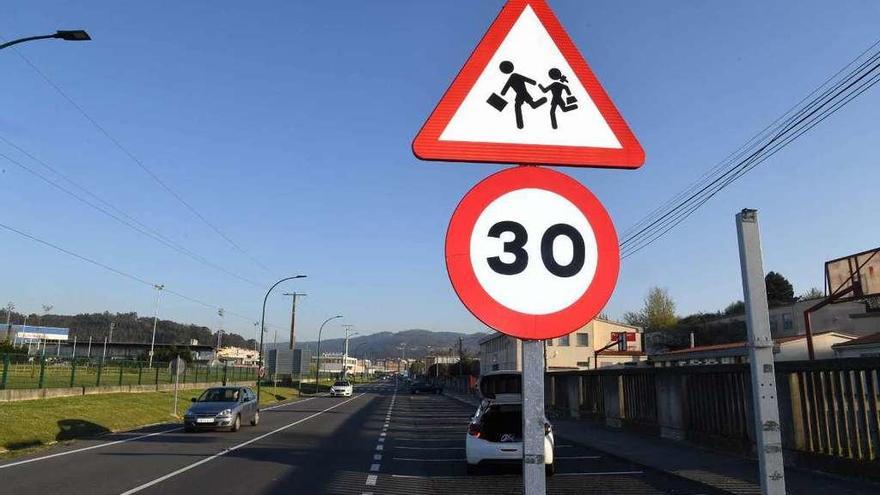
116	214
116	271
833	94
137	161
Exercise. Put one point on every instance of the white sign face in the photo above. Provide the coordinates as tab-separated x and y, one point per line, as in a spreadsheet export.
529	94
533	251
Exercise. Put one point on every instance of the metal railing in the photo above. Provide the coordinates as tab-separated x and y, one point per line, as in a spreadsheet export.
18	371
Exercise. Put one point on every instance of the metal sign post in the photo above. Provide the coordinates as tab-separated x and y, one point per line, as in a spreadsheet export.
176	367
534	474
767	429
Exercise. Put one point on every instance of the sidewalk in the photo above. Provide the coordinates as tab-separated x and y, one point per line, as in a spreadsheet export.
734	474
726	472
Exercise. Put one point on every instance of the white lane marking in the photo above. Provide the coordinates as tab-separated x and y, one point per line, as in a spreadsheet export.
459	459
439	448
377	457
604	473
420	440
117	442
579	457
371	480
59	454
233	448
382	434
374	467
381	439
380	447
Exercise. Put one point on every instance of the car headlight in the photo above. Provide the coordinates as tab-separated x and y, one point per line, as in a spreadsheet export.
225	412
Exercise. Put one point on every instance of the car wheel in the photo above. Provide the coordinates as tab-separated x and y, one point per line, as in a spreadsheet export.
256	420
473	469
550	468
236	423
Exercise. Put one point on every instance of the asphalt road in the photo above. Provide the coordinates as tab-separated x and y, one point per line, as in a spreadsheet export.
377	442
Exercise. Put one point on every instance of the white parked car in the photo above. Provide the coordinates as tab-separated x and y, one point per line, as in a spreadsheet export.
495	432
341	388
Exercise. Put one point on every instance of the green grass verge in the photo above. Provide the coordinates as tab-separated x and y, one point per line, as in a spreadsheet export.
26	425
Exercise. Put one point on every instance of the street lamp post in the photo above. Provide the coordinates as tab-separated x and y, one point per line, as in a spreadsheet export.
318	351
76	35
263	326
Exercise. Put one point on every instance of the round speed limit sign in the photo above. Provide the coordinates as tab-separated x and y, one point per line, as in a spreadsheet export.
532	253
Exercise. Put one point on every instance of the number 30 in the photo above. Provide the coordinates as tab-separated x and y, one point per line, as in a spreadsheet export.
521	256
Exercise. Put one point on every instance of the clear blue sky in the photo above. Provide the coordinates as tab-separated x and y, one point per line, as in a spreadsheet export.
289	125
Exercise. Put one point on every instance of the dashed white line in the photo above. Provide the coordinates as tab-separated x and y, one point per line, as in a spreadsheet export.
371	480
377	457
374	467
380	447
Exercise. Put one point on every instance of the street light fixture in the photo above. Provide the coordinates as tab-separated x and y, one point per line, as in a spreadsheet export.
74	35
318	351
263	326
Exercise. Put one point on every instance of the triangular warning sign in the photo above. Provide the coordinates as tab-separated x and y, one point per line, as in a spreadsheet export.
526	95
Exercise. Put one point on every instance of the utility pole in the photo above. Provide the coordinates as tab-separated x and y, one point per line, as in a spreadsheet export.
767	428
110	336
220	330
159	288
89	348
293	295
348	333
9	307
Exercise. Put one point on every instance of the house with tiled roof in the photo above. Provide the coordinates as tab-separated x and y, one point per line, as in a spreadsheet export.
867	346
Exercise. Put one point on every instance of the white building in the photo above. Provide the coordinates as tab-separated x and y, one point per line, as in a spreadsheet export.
331	363
238	355
867	346
784	349
581	349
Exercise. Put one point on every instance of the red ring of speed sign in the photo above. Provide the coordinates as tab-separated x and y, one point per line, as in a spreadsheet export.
532	253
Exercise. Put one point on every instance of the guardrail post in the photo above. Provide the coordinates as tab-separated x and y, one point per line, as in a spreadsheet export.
100	371
184	375
72	372
5	376
225	371
140	372
42	372
121	368
157	377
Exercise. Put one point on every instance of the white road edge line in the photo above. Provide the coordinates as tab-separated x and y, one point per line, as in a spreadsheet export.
233	448
117	442
605	473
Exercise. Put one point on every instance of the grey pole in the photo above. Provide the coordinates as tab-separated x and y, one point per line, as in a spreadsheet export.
155	322
263	326
89	348
294	295
104	355
767	428
534	474
74	348
318	350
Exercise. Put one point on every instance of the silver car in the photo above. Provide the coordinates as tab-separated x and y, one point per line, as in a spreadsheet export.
222	407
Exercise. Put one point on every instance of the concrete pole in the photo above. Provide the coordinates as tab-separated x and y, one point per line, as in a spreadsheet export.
534	474
73	354
155	322
89	348
767	429
294	295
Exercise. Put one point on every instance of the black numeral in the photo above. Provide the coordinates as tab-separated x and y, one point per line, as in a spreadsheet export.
516	247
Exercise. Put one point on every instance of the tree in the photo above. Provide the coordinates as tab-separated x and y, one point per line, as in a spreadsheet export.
779	290
813	293
657	313
735	308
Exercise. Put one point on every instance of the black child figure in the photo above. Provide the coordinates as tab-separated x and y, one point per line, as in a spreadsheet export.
556	89
517	82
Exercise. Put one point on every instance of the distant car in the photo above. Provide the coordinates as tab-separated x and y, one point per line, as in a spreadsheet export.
425	388
222	407
342	388
495	432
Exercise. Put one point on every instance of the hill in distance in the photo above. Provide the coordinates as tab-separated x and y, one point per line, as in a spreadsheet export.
419	343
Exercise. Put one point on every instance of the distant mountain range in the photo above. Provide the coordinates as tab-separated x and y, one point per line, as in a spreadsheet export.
419	343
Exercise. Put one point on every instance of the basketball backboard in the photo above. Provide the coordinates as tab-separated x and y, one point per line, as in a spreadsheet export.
862	267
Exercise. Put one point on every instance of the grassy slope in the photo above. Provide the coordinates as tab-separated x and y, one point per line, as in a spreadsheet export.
35	423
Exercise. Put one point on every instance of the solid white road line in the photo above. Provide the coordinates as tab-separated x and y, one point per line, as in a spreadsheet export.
428	460
605	473
437	448
233	448
117	442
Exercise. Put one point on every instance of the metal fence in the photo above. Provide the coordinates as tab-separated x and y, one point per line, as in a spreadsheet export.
33	372
829	409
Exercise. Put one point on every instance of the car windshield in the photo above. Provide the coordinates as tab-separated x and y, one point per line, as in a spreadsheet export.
341	384
219	395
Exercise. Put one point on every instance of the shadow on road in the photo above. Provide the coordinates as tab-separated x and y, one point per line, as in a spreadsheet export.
70	429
